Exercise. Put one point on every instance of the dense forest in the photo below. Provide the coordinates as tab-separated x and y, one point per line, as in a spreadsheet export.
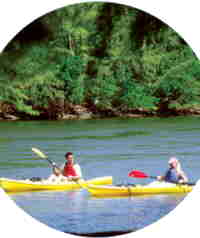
98	60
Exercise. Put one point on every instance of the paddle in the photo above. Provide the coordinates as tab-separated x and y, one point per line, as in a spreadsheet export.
43	156
140	174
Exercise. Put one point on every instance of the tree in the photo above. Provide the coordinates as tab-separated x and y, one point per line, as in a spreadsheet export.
71	74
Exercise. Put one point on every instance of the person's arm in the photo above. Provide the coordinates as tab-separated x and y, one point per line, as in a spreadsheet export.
162	177
78	170
57	171
183	177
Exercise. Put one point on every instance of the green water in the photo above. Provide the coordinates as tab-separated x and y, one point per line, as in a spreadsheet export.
102	147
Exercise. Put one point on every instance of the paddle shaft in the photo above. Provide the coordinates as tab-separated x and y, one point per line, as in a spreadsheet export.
153	177
52	163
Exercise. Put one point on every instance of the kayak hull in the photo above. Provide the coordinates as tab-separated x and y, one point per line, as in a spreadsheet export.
11	185
111	191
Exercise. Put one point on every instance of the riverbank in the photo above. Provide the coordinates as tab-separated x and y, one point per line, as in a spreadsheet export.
78	112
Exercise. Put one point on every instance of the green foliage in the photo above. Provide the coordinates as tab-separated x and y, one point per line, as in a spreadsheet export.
105	55
103	91
32	82
178	86
71	74
121	42
134	95
72	27
43	89
13	94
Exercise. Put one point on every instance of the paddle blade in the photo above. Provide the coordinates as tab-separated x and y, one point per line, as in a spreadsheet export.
137	174
39	153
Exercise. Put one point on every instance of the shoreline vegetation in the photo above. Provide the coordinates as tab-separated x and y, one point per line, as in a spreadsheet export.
98	60
80	112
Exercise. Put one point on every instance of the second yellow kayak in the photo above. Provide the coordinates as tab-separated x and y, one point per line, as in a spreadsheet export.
158	188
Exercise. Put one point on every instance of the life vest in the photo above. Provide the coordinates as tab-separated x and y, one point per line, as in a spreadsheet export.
69	170
172	176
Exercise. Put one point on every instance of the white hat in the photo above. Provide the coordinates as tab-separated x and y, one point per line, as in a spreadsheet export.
173	160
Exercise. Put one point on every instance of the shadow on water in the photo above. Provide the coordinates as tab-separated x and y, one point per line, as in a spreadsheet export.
102	234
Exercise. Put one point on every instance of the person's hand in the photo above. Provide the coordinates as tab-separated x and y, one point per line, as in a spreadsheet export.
159	178
56	171
75	179
181	181
72	178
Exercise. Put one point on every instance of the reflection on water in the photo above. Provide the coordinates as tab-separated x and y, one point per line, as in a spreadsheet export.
77	212
102	147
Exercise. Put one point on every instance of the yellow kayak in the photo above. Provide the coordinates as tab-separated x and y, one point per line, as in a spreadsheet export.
11	185
154	188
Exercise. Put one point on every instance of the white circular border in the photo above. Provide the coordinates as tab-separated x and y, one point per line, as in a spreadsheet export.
182	16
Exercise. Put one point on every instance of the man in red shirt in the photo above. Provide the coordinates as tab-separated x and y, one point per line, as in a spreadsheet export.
69	170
